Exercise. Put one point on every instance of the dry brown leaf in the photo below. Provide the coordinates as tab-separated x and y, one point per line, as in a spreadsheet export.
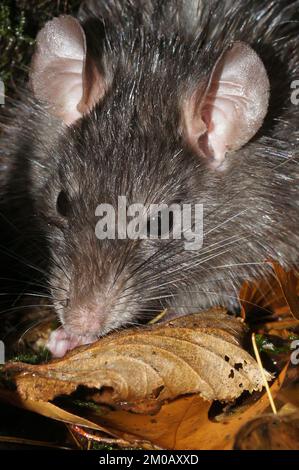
185	424
59	414
288	283
290	395
277	295
199	353
84	438
182	424
270	433
260	294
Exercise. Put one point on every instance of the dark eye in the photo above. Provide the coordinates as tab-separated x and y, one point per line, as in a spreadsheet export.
160	224
63	204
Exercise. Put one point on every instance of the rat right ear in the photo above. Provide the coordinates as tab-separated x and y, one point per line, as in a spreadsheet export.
62	73
226	112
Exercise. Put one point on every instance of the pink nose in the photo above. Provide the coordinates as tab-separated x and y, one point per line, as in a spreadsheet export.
85	321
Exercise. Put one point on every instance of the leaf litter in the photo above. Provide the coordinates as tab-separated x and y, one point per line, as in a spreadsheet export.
155	386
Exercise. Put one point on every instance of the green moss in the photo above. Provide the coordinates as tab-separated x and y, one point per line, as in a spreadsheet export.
98	446
87	404
20	21
266	345
31	358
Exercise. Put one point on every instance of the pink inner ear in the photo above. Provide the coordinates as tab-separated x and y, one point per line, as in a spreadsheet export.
93	87
60	75
233	107
65	90
224	110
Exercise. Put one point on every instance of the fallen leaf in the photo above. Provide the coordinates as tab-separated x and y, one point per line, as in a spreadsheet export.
288	409
272	302
184	424
59	414
290	395
199	353
270	432
288	282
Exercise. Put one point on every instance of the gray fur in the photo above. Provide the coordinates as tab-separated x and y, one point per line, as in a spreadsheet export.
153	54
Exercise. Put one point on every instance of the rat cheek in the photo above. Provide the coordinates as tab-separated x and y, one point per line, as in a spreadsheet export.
60	295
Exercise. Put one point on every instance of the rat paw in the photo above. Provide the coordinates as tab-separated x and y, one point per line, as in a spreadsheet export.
60	342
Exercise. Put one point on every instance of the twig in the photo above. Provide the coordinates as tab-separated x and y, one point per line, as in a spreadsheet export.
29	442
158	317
78	444
258	359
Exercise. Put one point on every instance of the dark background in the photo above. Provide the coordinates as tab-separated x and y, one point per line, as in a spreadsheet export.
20	21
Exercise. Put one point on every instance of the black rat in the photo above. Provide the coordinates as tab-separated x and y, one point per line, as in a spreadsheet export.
163	102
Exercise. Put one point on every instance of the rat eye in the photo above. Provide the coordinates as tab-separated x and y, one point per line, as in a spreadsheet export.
160	224
63	204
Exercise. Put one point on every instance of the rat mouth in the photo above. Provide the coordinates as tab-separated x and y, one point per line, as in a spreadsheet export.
60	342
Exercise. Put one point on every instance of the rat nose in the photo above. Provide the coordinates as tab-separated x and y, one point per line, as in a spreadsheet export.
86	320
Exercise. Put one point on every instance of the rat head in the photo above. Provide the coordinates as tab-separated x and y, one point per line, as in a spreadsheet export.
132	136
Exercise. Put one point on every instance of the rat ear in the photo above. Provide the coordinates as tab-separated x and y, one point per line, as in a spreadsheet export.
62	73
229	111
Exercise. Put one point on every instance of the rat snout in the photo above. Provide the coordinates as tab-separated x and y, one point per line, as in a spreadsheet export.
81	325
86	320
93	301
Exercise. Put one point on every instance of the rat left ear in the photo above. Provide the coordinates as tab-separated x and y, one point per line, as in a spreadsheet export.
228	112
62	73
